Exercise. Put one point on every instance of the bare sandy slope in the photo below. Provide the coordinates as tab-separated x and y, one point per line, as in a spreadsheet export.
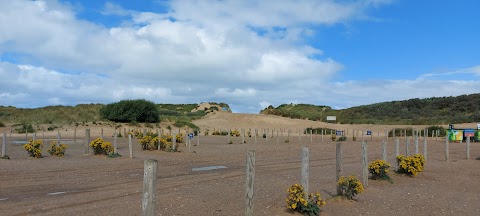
224	120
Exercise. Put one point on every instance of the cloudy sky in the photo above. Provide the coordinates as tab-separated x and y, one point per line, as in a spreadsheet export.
249	54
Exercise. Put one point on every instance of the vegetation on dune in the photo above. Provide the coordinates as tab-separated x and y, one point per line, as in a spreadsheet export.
126	111
131	111
51	114
435	110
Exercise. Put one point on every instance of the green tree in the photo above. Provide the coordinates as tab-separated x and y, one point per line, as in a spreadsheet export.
131	111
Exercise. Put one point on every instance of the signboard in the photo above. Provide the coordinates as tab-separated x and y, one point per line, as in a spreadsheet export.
369	133
469	133
331	118
455	135
478	126
339	133
190	135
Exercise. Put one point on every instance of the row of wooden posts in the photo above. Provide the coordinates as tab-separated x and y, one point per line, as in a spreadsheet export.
149	183
115	143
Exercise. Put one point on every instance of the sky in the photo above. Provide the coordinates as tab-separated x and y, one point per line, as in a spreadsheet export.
249	54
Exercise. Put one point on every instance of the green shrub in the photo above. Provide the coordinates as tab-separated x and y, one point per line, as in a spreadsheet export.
2	124
349	186
342	138
131	111
24	128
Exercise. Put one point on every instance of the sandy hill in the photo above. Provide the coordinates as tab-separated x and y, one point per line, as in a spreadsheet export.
225	120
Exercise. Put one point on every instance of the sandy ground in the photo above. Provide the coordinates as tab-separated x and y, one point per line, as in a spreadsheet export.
79	184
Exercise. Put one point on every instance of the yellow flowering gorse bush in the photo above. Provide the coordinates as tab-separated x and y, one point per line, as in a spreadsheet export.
350	186
149	142
379	169
101	147
57	150
410	165
34	148
297	200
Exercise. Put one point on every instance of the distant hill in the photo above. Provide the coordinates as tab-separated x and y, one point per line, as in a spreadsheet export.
435	110
181	114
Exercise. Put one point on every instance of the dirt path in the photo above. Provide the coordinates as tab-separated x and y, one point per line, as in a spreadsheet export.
80	184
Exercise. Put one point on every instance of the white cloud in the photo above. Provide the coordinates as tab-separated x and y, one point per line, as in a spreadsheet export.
240	52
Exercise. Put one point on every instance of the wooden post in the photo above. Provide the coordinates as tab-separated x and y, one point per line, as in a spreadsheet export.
339	165
87	141
198	137
101	133
149	196
305	169
115	145
397	152
299	137
58	138
174	142
277	137
43	136
34	136
125	133
130	145
364	164
11	133
228	139
425	146
249	182
407	149
256	134
26	135
74	135
447	151
416	143
322	134
468	148
243	136
4	145
384	150
311	136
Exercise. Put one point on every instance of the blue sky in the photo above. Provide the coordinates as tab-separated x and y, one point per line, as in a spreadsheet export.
249	54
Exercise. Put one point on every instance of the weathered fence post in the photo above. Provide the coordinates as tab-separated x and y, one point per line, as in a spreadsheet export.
34	136
468	148
425	147
407	147
198	137
130	145
228	137
256	134
115	145
74	135
339	166
305	169
311	137
416	143
149	196
174	142
397	152
249	182
101	133
87	141
384	150
447	151
243	136
364	164
58	138
43	136
4	145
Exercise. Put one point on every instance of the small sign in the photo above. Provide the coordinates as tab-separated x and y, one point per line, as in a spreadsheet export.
331	118
478	126
369	132
190	135
338	133
450	126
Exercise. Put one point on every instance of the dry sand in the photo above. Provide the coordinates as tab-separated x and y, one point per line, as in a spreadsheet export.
79	184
